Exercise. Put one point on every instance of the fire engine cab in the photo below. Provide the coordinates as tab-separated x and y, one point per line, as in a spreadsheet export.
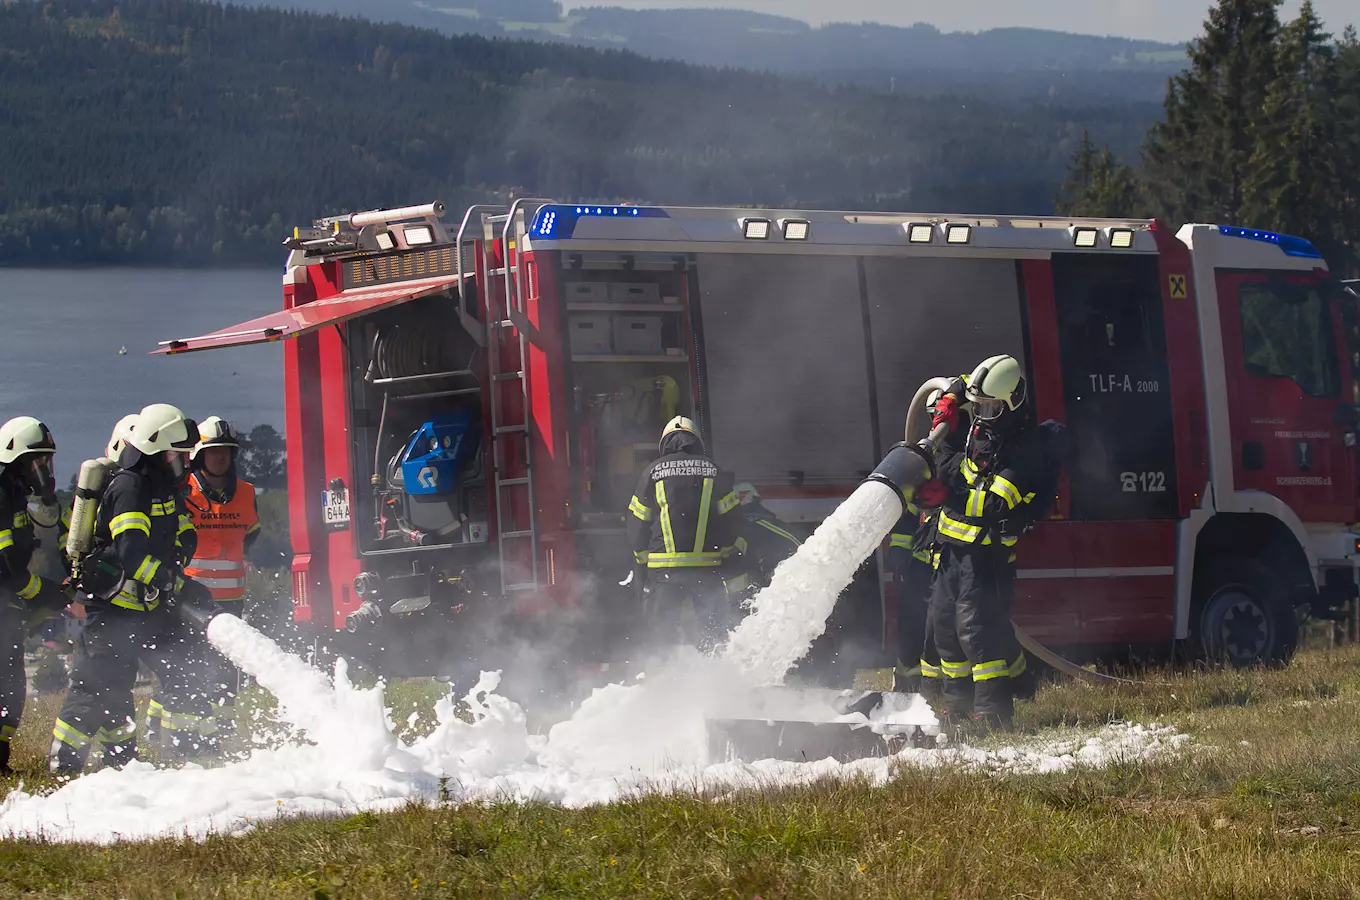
468	410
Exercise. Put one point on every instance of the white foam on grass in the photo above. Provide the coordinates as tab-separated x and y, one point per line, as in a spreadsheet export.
623	739
789	614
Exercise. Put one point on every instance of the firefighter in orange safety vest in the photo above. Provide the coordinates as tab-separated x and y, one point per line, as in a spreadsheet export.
225	516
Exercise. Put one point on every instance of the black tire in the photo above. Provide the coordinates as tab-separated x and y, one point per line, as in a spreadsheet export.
1242	614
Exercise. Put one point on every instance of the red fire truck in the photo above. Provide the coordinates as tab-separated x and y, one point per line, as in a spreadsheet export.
467	410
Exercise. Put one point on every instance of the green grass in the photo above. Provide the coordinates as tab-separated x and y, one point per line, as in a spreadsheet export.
1267	806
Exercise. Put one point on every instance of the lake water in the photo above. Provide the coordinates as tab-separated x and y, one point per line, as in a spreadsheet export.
60	332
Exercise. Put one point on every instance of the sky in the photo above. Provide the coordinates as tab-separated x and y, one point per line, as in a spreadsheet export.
1162	20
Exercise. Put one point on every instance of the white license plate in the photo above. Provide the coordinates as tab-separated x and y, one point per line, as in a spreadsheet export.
335	505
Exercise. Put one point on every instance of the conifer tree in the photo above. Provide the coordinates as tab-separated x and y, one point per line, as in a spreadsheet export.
1347	119
1294	181
1197	158
1099	183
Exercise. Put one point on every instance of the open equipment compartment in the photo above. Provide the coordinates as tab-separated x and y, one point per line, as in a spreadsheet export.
420	475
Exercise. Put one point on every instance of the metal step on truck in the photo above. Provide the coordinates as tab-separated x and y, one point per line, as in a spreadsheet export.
469	406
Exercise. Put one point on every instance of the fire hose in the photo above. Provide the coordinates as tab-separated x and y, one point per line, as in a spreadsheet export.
911	464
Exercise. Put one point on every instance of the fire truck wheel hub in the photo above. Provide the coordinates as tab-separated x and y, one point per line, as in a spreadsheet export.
1245	628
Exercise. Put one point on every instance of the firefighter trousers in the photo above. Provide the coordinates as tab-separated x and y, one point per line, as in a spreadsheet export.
173	719
99	706
913	604
13	679
970	615
689	606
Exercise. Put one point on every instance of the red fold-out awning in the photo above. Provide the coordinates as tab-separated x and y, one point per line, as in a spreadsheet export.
309	317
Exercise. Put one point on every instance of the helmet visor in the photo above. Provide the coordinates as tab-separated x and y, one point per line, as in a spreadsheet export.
987	409
176	461
42	480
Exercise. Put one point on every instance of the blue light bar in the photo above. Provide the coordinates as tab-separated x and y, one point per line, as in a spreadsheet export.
557	222
1292	246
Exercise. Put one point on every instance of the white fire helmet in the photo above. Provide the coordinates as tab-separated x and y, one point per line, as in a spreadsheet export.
215	432
22	435
164	429
996	386
679	423
119	437
746	493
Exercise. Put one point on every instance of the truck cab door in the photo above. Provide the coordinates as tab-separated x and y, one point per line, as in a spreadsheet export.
1288	415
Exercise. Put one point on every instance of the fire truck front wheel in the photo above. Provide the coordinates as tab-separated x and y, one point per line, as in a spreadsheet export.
1243	615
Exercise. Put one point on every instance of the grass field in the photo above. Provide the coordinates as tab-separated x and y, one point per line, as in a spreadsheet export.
1268	805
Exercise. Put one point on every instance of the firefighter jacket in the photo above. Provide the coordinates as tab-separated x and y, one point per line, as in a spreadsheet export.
763	542
226	523
911	538
142	532
682	514
991	484
17	543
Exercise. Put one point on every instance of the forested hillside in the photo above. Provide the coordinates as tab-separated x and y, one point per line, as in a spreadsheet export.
1262	129
185	132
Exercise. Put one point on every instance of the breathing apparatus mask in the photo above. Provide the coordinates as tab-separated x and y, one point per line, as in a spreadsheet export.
38	474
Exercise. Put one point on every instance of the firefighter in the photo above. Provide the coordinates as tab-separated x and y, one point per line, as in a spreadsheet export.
989	486
226	522
682	526
910	560
26	451
129	581
762	543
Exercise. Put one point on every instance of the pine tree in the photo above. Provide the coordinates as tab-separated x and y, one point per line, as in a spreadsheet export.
1098	184
1294	182
1197	159
1347	119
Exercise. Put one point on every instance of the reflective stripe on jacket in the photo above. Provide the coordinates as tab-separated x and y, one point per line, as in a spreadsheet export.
680	515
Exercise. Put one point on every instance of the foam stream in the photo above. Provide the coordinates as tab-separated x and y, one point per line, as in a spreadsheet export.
791	613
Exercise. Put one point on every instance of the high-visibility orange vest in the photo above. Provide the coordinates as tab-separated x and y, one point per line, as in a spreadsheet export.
220	561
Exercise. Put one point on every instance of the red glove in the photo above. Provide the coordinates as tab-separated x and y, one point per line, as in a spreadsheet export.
930	495
946	411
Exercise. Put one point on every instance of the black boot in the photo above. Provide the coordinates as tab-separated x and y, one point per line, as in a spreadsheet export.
119	754
64	759
994	705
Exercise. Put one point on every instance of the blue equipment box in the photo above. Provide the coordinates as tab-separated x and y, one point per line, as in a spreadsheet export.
437	451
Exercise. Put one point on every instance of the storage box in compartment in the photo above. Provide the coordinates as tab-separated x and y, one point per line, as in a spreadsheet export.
637	335
586	291
590	334
634	292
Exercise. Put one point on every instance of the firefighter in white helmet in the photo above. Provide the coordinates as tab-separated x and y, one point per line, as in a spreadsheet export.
128	580
911	548
26	451
683	524
992	486
227	522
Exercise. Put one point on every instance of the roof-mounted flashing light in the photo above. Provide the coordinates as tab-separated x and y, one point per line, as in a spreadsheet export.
559	221
1291	245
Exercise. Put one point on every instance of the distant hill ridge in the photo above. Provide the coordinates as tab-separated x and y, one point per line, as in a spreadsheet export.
733	37
174	131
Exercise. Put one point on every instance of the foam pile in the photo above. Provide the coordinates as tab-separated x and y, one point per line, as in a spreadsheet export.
621	741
